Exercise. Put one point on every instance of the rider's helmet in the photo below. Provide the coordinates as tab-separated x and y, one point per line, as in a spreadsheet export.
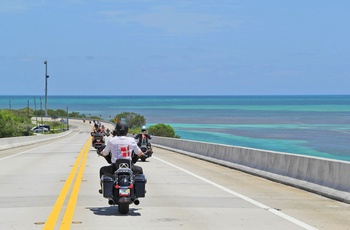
143	129
121	128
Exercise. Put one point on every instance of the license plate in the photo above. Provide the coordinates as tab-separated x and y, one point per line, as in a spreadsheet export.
124	191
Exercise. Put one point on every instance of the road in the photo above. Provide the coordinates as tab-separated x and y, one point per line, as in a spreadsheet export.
54	185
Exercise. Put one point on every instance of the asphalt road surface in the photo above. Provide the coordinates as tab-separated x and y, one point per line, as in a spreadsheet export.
54	185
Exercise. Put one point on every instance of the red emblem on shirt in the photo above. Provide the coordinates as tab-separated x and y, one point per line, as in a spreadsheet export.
125	151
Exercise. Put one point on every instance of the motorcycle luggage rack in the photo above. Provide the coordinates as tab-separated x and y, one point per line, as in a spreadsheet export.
122	172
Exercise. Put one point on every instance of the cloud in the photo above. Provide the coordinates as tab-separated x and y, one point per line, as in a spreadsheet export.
286	73
18	6
172	20
9	6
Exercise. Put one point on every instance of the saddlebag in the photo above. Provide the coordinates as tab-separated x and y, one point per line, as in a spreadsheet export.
107	186
140	185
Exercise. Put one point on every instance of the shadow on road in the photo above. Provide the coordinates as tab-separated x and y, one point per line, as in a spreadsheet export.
112	211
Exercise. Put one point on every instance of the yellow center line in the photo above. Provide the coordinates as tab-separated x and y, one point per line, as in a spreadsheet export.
68	216
52	219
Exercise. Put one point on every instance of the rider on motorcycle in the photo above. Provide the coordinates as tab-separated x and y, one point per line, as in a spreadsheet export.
140	139
95	128
120	146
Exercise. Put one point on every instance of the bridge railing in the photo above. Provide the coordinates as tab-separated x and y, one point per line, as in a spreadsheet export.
11	142
330	178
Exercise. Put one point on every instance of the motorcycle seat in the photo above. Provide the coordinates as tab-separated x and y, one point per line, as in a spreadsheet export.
123	163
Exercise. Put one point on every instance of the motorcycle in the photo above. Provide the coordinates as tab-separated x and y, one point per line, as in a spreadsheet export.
108	132
98	140
123	187
145	146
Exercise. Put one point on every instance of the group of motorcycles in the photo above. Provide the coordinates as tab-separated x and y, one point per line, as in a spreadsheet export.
123	187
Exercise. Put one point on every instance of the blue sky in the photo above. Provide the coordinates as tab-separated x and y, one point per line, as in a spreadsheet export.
158	47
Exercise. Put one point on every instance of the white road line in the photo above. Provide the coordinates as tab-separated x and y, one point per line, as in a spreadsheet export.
254	202
20	153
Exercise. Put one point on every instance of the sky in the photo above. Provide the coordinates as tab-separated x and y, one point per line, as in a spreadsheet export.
175	47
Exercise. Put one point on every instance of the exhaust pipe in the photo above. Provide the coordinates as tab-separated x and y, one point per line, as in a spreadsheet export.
136	201
111	202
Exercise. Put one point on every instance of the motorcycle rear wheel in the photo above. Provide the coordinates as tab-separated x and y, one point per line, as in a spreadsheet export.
123	208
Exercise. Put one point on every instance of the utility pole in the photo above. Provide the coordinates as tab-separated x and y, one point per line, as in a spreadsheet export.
41	104
36	115
46	77
67	119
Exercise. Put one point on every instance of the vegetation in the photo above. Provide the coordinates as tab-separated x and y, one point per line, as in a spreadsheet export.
134	120
162	130
95	118
18	122
57	113
14	123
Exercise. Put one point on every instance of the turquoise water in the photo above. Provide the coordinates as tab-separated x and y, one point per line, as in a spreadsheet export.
308	125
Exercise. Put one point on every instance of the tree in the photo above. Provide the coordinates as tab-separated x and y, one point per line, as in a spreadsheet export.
133	119
58	112
162	130
51	112
76	114
24	112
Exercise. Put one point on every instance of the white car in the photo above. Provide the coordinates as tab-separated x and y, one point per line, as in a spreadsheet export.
41	130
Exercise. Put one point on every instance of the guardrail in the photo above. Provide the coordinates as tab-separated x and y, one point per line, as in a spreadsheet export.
326	177
11	142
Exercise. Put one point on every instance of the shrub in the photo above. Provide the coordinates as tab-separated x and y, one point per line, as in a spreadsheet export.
13	125
162	130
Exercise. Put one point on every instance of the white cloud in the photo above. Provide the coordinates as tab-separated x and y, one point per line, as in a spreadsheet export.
286	73
173	20
8	6
14	6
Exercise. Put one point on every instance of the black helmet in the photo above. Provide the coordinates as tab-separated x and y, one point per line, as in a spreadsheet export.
121	128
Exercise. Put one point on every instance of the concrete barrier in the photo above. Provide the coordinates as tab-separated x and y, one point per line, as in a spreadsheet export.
11	142
326	177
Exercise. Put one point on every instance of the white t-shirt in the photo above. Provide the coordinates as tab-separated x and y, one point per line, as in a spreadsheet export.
121	147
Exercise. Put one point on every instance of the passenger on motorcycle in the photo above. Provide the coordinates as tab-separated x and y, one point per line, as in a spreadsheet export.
96	128
120	146
140	138
103	129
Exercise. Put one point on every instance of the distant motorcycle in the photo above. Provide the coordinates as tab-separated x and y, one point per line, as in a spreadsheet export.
108	132
123	187
98	140
144	145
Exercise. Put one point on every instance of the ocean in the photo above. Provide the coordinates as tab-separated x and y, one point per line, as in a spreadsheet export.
308	125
